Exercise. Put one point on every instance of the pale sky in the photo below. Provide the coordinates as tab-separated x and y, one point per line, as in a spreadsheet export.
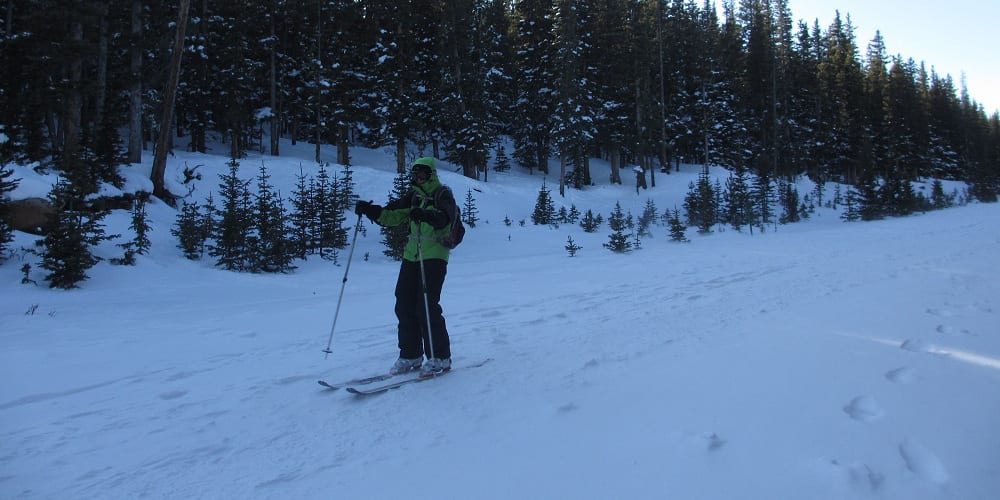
954	37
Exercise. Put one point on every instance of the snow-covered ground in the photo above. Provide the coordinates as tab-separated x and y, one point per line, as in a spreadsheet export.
823	360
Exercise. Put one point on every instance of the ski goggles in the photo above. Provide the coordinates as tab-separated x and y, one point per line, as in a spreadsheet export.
420	174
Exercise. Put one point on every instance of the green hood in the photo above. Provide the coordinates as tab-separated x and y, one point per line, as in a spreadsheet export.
433	183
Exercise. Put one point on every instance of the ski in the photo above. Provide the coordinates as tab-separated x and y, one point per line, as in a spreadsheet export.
369	391
357	381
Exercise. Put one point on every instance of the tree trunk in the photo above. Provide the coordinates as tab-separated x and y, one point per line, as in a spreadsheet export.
170	96
102	66
273	131
343	145
616	164
135	87
400	155
319	92
562	176
74	98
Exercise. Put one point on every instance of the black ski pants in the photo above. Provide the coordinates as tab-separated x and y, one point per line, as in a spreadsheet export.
413	338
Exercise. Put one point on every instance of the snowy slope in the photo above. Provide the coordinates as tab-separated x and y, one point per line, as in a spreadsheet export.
821	360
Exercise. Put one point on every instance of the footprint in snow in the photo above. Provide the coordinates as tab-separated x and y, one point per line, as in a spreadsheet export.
864	408
915	345
902	375
951	330
923	462
568	407
859	475
941	313
173	395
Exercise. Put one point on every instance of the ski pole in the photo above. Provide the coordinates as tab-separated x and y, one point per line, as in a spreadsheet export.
423	285
343	285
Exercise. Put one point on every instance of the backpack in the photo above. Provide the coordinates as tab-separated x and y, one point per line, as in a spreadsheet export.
457	232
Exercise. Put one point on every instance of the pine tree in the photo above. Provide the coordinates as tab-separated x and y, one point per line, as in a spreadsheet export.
572	247
6	186
938	199
789	204
344	199
140	227
573	216
648	218
738	202
763	198
188	230
470	214
591	223
851	207
535	102
273	252
300	233
700	204
232	231
395	237
869	200
545	211
326	214
677	227
71	232
618	241
502	161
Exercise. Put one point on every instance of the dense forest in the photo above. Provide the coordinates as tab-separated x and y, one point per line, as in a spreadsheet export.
652	83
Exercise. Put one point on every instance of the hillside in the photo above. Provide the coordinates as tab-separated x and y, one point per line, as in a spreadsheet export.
822	360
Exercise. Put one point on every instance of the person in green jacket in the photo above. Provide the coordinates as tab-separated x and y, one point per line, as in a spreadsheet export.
429	222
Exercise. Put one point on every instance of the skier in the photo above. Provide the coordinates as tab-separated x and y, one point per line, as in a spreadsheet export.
429	222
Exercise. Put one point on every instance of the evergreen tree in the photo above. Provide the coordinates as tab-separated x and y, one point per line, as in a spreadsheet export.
232	231
140	227
852	211
573	116
618	241
325	214
763	198
590	223
470	214
738	201
699	203
938	199
189	231
273	252
648	218
502	161
300	220
573	215
869	200
545	211
343	197
71	232
394	238
7	185
677	228
534	105
572	247
789	204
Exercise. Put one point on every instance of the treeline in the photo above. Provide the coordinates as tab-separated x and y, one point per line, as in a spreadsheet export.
648	83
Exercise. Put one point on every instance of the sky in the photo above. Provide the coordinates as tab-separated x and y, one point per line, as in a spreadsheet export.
954	37
821	360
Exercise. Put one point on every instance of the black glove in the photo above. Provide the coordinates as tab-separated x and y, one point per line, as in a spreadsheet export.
418	214
368	209
361	207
